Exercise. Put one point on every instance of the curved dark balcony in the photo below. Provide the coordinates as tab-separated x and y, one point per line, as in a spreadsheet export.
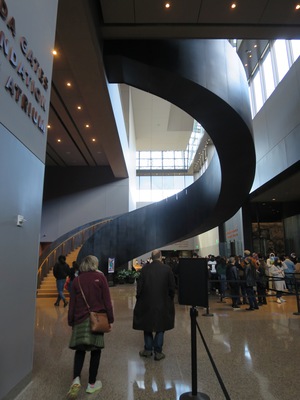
207	80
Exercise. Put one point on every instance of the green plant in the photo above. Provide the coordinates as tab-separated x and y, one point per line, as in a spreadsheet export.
122	274
127	275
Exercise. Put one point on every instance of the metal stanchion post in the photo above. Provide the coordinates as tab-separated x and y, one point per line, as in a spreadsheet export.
194	395
207	314
297	282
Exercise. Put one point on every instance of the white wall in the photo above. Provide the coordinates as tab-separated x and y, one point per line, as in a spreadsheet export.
277	129
66	213
208	243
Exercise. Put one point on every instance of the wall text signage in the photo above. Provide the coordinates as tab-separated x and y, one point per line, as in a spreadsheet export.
28	69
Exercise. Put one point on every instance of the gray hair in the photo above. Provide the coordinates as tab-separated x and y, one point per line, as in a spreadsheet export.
89	263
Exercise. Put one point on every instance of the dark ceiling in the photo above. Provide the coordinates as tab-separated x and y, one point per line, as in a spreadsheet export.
89	136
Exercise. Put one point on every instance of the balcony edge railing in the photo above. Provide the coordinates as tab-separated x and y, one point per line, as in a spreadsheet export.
65	244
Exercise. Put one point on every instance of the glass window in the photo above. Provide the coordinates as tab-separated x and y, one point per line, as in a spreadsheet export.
296	49
156	154
188	179
168	163
168	182
251	100
179	182
145	164
268	74
145	183
179	163
168	154
157	183
145	154
281	58
257	91
156	163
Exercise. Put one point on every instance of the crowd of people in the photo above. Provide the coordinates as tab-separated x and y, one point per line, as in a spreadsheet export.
246	279
251	277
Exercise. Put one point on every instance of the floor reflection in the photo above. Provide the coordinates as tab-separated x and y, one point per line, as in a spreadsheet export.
262	346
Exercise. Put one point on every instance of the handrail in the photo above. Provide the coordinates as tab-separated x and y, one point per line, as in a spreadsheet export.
64	245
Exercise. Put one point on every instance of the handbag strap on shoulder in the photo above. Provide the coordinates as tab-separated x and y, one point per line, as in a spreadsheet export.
83	294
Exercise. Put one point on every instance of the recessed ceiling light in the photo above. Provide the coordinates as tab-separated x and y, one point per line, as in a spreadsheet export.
48	126
59	140
78	107
255	46
167	5
233	5
87	125
298	7
93	140
54	52
273	199
69	84
246	65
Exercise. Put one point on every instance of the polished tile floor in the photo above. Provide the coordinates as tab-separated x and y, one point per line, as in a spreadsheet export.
256	354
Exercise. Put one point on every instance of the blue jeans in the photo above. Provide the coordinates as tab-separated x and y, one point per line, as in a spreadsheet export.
251	297
60	283
155	342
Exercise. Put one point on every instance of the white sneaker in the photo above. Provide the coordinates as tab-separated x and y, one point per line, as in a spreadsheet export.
278	301
282	300
94	388
74	389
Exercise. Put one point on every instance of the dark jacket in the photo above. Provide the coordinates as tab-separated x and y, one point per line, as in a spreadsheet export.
250	275
61	270
154	310
96	291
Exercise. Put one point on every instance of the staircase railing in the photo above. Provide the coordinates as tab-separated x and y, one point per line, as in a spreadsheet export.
65	245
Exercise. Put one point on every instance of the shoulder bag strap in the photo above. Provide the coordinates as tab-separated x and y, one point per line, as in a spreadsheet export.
83	295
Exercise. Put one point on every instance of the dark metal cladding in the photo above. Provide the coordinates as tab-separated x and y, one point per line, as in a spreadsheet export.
205	78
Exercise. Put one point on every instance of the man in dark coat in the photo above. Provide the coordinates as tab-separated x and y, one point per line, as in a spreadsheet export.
154	312
61	270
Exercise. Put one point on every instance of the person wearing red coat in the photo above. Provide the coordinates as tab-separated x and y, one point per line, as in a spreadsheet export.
96	291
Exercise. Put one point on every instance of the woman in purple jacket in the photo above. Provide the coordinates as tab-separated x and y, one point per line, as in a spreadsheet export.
95	288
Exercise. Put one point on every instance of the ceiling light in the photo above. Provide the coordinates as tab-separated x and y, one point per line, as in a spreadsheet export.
59	140
167	5
69	84
78	107
87	125
233	5
298	7
93	140
54	52
48	126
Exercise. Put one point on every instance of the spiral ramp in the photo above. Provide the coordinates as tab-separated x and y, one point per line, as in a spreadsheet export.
206	79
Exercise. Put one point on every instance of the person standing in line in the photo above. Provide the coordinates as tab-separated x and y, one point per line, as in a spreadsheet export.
289	270
94	286
277	272
221	271
232	277
154	311
251	278
60	271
